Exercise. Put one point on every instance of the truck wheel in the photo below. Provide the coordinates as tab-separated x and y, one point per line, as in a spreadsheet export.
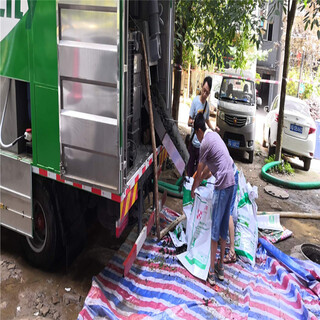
250	156
41	250
307	164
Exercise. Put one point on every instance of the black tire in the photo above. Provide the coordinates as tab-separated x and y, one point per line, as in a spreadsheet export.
250	156
306	164
271	150
42	250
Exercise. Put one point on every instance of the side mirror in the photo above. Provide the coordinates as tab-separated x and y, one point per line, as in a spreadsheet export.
259	101
216	95
266	108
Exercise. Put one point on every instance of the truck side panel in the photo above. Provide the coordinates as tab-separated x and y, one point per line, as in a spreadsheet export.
89	87
46	135
15	194
45	45
44	87
14	47
29	53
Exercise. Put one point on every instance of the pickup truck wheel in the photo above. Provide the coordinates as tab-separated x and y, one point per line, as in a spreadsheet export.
250	156
307	164
41	250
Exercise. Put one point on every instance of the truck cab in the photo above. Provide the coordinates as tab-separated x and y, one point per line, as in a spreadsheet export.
237	103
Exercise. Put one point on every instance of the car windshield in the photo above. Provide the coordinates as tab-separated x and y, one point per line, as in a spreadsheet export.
298	106
237	90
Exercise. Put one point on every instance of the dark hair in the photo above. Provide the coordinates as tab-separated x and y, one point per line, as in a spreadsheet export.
199	122
208	80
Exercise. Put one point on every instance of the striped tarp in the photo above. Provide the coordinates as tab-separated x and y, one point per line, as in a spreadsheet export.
159	287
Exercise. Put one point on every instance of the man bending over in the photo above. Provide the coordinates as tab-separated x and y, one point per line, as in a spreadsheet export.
215	158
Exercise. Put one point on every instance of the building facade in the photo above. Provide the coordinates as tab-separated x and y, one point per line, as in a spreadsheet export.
271	68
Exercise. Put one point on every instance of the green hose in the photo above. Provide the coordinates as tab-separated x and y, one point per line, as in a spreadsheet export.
172	190
287	184
179	181
169	186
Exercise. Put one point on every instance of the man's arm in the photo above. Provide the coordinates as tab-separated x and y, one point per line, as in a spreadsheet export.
192	113
197	178
208	122
190	122
206	173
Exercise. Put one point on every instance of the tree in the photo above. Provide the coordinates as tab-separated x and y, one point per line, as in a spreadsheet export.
312	8
183	29
224	28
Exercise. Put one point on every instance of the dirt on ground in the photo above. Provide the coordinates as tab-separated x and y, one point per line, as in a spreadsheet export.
29	293
299	201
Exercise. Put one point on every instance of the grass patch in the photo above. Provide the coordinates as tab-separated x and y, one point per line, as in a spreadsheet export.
284	167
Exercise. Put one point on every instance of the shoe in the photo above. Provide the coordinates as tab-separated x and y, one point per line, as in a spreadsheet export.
211	278
230	258
218	268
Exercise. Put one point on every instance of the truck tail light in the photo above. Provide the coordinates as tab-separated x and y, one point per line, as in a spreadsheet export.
277	117
312	130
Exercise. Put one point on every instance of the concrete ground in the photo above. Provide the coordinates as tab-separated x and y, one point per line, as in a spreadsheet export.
29	293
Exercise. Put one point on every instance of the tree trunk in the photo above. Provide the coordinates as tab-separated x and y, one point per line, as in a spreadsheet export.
290	19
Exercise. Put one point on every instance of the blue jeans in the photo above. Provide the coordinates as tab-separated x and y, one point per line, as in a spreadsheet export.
223	203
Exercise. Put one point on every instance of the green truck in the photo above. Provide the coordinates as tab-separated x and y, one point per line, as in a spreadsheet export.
75	130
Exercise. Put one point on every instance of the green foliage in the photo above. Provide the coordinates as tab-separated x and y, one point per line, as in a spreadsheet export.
258	77
311	16
223	27
284	167
292	86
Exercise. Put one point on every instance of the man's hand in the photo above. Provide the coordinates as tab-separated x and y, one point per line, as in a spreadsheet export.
197	178
190	122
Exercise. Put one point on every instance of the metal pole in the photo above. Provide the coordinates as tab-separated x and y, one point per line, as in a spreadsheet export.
300	76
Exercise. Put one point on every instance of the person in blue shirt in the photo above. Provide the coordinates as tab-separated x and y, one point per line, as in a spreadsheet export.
199	104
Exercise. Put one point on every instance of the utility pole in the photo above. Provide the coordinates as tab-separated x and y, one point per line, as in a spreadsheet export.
292	6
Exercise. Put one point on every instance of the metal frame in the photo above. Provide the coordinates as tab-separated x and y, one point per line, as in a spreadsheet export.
91	137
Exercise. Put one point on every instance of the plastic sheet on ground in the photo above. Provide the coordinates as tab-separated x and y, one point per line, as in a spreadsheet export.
271	229
269	221
276	236
159	287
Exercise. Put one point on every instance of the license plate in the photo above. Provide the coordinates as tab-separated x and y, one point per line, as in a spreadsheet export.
295	128
233	143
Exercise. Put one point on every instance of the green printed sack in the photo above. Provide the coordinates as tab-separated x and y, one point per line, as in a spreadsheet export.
246	233
198	230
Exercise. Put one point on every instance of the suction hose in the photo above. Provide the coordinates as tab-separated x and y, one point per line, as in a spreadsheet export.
287	184
172	190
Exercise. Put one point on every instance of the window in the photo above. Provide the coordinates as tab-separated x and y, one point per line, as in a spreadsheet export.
270	29
268	34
